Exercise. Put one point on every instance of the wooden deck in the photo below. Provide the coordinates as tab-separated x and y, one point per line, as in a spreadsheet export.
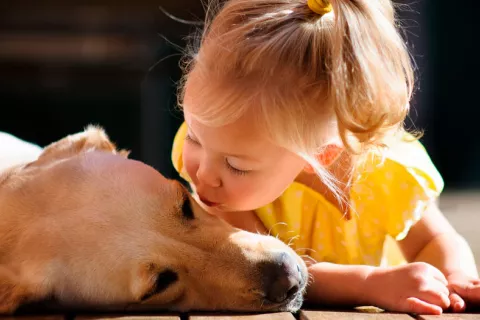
302	315
462	209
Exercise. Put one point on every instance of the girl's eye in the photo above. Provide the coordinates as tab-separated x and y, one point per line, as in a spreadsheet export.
189	138
235	170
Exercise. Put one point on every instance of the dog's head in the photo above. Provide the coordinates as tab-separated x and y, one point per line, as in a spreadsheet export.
88	227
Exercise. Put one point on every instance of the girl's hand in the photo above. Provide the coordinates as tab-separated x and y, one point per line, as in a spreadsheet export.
463	290
415	288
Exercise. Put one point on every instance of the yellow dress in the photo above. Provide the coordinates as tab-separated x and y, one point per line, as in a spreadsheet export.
388	197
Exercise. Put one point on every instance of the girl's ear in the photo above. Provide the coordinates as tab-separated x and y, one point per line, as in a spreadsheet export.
329	155
309	169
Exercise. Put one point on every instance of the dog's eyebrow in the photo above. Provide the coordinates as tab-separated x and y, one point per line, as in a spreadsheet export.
187	209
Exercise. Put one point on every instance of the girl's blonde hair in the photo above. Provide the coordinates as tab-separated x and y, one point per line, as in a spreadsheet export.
294	70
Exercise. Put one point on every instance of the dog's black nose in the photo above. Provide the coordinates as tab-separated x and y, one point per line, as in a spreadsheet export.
282	278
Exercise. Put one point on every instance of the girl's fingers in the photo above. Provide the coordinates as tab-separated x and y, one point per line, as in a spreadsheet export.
457	304
416	305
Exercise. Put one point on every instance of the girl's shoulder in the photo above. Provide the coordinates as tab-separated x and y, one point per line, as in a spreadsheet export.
396	184
403	158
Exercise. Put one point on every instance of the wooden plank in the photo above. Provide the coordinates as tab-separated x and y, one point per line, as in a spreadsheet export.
31	317
265	316
142	317
451	316
353	315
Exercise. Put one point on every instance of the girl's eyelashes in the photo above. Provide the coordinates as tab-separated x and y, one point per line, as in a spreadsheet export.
189	138
229	166
235	170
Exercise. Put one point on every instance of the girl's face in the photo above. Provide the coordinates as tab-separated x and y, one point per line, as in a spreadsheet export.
234	168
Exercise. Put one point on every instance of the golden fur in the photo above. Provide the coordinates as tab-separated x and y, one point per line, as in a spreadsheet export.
87	227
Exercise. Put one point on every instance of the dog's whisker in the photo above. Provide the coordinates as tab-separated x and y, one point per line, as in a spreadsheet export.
292	239
306	249
310	280
278	223
259	229
308	259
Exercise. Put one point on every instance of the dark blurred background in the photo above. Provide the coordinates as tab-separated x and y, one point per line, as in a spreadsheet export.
65	64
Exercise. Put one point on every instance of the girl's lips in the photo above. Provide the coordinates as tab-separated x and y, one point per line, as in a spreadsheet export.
208	203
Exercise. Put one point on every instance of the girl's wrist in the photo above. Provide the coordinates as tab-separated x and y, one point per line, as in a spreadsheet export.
352	285
374	284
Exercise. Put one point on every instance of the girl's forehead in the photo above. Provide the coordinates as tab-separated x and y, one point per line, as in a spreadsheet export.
241	130
239	138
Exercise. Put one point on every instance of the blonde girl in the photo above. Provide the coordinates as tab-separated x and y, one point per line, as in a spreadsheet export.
294	114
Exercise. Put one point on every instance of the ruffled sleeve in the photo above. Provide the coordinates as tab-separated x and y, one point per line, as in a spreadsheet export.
406	183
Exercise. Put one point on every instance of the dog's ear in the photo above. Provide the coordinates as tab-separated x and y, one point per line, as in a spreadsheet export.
92	139
12	292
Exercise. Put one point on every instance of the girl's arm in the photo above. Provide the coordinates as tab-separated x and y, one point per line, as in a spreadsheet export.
335	284
435	241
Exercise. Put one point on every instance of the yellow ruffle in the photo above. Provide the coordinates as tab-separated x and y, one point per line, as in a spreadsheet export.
177	152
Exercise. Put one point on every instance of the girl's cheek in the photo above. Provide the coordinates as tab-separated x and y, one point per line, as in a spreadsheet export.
239	191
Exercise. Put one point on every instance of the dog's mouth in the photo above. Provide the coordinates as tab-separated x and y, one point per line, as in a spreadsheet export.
291	304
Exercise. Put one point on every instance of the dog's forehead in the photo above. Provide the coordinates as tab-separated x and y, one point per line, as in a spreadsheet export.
132	177
130	171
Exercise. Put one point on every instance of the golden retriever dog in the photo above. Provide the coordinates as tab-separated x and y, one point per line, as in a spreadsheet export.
85	227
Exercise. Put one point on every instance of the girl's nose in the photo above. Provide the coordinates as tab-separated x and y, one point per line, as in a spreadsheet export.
208	177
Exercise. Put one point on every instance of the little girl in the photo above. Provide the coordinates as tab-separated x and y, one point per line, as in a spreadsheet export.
294	116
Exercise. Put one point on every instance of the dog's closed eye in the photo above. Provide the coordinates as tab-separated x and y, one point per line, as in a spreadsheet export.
162	281
187	209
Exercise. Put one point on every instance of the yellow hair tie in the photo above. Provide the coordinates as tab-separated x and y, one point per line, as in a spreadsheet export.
320	7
